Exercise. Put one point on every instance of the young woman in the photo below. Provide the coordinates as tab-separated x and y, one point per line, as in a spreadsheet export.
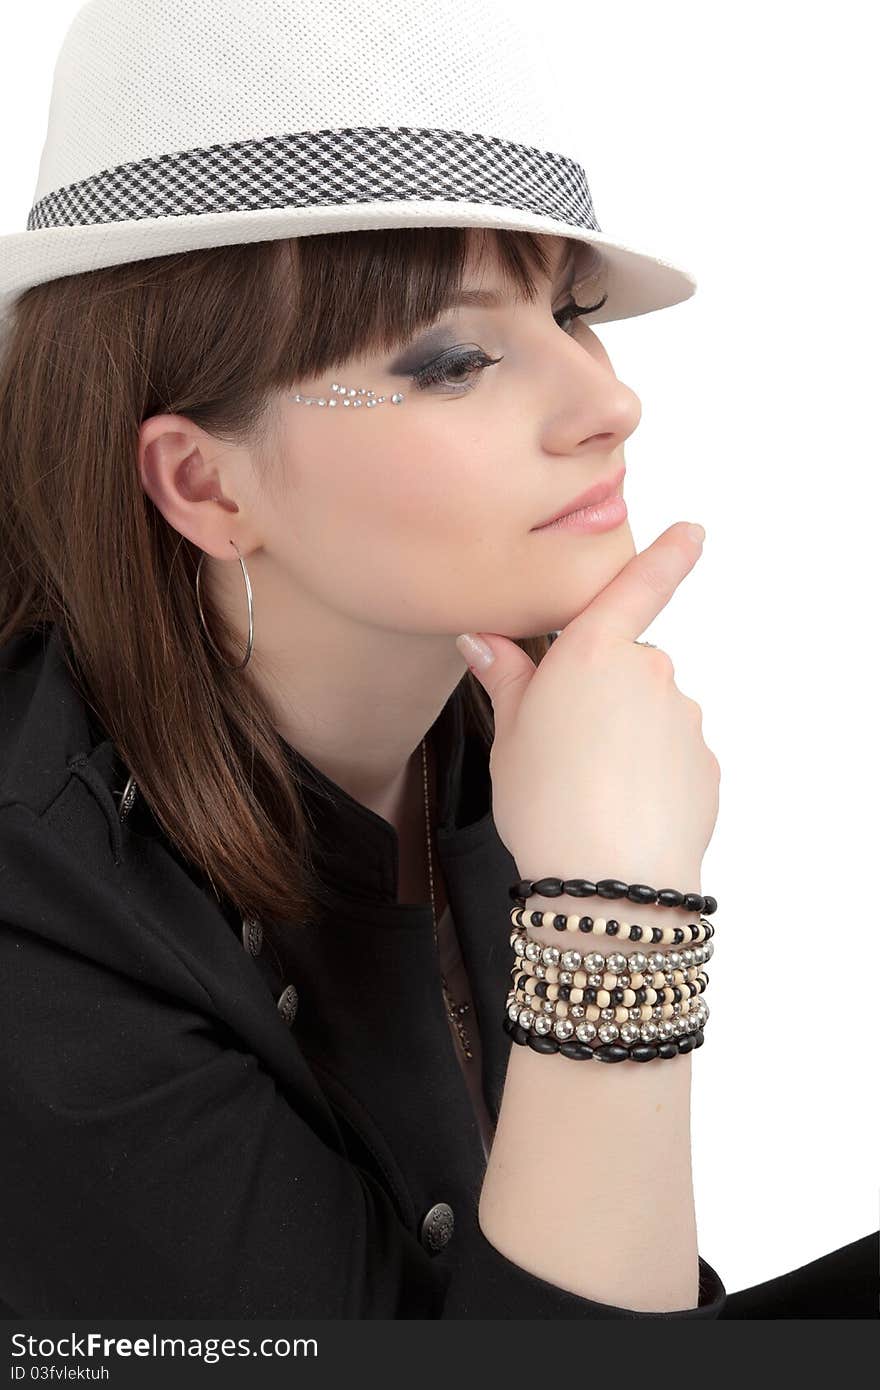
293	1020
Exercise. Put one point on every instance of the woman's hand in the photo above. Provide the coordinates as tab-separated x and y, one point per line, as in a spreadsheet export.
598	764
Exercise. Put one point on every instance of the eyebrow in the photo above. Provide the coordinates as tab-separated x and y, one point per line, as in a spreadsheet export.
494	299
478	299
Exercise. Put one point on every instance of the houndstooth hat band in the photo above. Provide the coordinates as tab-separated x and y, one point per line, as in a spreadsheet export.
176	125
326	167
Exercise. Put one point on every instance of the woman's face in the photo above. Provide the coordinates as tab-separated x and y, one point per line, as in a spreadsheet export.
419	517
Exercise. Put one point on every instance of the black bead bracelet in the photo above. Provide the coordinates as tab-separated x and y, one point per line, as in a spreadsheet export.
611	888
675	936
607	1052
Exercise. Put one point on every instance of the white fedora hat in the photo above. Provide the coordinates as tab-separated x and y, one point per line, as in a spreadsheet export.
181	124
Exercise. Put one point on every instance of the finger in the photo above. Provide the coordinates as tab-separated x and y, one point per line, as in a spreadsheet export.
633	598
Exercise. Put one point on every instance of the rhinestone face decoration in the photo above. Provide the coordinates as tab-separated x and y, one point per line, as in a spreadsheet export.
352	396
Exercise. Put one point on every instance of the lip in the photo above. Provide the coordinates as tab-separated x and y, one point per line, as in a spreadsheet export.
597	493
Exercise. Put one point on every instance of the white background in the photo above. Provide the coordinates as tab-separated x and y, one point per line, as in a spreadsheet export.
739	142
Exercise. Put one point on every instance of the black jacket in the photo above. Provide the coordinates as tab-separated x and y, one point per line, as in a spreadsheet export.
174	1143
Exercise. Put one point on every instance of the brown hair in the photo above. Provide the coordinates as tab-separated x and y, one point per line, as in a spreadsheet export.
211	335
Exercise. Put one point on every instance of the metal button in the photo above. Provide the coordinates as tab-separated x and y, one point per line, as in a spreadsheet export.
437	1226
252	935
287	1003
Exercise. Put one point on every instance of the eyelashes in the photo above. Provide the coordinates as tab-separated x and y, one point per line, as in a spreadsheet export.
451	363
572	310
472	362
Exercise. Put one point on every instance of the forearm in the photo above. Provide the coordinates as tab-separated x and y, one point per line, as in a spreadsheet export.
589	1182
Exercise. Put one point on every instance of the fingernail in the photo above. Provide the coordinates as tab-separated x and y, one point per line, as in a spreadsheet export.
697	532
475	652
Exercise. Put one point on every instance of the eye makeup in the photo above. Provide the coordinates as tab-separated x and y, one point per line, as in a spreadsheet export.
354	397
469	359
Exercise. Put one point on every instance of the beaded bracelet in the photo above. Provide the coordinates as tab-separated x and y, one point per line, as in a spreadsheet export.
618	1017
601	926
613	1008
646	1014
613	999
660	1007
665	989
611	888
636	962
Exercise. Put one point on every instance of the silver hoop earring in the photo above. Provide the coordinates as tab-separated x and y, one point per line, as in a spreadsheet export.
250	598
353	396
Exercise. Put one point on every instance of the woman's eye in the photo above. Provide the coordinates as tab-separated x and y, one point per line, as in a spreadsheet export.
571	311
453	364
461	363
